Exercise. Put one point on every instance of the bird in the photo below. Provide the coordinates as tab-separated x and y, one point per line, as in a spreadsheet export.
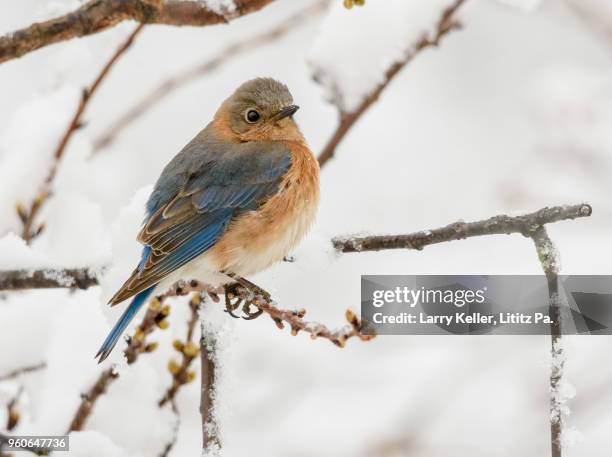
235	200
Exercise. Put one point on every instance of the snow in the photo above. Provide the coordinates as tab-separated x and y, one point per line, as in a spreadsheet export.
525	5
352	51
93	444
25	148
511	113
222	7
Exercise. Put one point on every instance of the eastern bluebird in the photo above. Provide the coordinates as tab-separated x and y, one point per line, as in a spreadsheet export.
236	199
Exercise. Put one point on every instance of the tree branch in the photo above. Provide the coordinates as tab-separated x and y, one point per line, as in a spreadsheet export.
497	225
181	374
211	442
89	399
81	278
13	416
549	258
503	224
445	25
23	370
98	15
28	216
154	317
185	77
250	295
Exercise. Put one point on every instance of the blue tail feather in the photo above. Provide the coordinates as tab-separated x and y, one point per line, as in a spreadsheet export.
122	323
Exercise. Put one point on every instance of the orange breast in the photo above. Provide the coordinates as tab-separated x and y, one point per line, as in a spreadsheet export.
257	239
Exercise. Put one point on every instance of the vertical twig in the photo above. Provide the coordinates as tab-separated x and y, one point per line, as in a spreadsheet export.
13	415
549	259
177	425
211	443
181	374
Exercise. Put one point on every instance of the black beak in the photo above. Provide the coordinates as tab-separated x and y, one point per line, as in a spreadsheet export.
287	111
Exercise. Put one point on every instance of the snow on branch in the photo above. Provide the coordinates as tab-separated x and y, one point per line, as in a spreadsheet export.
549	258
526	225
81	278
503	224
98	15
354	89
211	441
530	225
28	215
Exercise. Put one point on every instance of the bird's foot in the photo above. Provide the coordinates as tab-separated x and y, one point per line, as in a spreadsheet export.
230	292
253	288
248	314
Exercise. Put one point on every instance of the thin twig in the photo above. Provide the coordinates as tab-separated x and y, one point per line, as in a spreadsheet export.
98	15
75	122
181	374
89	399
13	415
259	298
154	317
496	225
175	432
548	255
23	370
446	24
211	442
189	75
294	318
28	215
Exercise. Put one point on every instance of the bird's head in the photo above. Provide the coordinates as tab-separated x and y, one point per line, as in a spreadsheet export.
260	109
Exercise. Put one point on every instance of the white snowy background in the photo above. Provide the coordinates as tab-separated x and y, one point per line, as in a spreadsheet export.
511	113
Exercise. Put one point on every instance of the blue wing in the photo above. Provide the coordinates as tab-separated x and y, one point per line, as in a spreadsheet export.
206	193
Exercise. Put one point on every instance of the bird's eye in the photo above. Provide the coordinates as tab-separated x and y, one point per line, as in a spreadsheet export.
252	116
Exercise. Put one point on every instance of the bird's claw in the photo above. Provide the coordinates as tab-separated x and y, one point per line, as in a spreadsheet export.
232	290
246	311
229	306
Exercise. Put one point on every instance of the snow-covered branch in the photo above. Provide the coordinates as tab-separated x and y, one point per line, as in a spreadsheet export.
211	441
350	116
526	224
530	225
49	278
502	224
98	15
549	258
28	215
